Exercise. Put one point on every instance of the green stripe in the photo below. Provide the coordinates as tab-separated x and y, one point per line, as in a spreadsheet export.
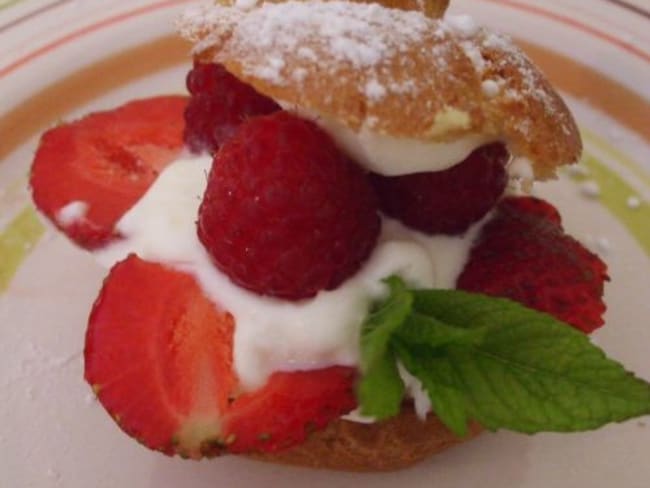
617	155
16	242
614	192
8	3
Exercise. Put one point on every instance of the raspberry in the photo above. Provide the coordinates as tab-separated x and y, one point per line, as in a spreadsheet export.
219	104
206	78
285	213
523	254
449	201
531	208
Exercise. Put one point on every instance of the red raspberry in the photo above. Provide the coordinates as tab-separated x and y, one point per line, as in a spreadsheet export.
523	254
530	208
206	78
449	201
219	104
285	213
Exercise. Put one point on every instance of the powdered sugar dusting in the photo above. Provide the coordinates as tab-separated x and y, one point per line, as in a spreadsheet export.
361	35
353	60
374	90
307	53
473	52
245	4
463	25
208	19
514	56
475	41
490	88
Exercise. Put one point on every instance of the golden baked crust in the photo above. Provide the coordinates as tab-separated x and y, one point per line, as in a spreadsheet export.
392	72
389	445
431	8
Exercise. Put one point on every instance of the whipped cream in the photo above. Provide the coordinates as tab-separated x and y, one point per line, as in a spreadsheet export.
521	176
392	156
72	213
271	334
413	388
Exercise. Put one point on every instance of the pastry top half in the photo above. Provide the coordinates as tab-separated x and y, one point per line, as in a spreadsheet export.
391	71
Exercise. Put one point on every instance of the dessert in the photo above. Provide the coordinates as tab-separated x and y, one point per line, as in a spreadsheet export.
305	303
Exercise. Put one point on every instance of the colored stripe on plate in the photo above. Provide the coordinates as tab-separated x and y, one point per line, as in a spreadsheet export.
614	194
72	36
48	106
16	243
563	19
8	3
30	15
631	7
617	155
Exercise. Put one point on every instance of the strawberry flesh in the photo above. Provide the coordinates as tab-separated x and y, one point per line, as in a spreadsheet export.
291	405
159	355
107	160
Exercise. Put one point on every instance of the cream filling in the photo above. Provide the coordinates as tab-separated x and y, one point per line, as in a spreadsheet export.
392	156
271	334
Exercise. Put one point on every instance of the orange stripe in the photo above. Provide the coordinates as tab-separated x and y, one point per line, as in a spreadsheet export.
573	23
610	97
46	107
86	30
142	10
50	104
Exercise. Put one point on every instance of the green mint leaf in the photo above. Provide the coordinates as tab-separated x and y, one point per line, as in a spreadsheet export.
381	389
419	329
423	335
530	372
447	401
493	361
462	309
380	325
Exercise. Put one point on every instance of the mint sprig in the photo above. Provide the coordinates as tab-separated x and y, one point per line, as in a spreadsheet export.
491	360
378	363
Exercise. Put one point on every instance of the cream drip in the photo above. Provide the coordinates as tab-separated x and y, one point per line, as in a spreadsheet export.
390	155
271	334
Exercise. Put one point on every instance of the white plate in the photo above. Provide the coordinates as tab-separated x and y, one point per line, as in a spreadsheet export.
63	58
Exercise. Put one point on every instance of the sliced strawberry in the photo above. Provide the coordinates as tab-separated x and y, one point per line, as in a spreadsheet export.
104	163
523	254
159	355
291	406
